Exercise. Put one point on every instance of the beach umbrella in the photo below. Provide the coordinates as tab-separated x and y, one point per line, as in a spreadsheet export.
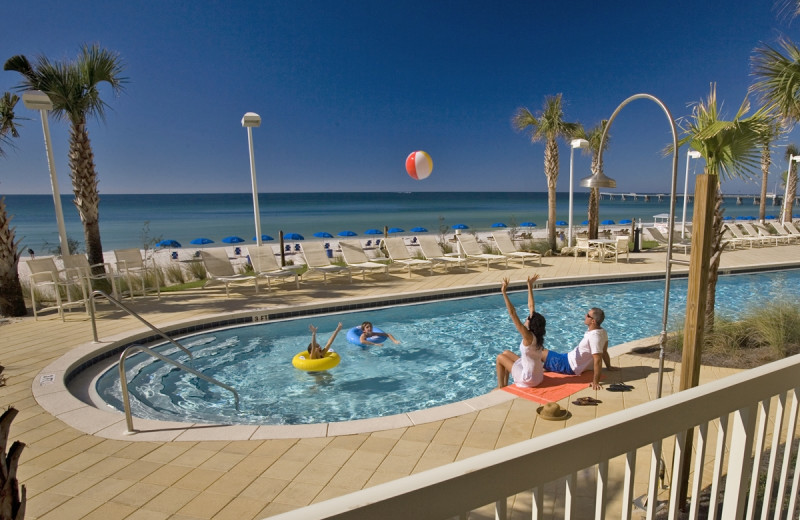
323	234
528	224
201	241
293	236
347	233
795	216
585	223
460	226
607	222
396	230
560	223
742	217
771	217
499	224
264	238
233	240
419	229
626	221
169	243
373	232
727	217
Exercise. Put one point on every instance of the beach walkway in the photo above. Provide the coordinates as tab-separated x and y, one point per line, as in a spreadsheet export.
73	475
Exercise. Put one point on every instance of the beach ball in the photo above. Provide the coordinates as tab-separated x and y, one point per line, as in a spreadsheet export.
419	165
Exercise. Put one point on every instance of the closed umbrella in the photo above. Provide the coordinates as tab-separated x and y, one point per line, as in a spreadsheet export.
323	234
169	243
264	238
373	232
396	230
347	233
419	229
293	236
498	225
201	241
233	240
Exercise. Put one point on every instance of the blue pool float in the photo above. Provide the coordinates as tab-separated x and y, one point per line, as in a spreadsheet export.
354	336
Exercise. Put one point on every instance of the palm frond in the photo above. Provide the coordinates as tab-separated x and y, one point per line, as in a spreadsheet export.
777	73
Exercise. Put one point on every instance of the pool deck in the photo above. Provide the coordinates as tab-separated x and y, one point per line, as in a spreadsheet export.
70	474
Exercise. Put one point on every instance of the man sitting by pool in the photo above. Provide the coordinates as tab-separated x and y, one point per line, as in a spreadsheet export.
591	352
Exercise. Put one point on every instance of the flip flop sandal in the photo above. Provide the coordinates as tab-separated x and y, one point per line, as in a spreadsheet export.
619	387
586	401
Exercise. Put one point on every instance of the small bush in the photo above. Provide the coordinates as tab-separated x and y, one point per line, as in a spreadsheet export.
197	270
174	274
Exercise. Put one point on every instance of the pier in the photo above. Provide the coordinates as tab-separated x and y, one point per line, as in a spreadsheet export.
776	199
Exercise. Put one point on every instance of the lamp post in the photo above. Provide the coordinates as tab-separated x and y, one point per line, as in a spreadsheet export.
250	120
575	143
691	154
795	158
38	100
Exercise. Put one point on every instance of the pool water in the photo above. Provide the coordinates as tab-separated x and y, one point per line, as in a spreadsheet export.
447	353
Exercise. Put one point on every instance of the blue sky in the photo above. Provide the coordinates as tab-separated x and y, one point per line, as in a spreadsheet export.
346	90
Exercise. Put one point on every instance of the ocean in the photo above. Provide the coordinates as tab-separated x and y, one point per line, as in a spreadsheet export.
133	220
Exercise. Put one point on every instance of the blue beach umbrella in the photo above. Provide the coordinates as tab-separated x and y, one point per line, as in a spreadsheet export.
460	226
528	224
741	217
293	236
499	224
626	221
347	233
373	232
585	223
608	222
560	223
419	229
233	240
771	217
727	217
169	243
201	241
750	217
795	216
396	230
264	238
323	234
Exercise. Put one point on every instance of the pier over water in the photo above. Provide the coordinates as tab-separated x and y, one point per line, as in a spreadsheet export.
773	198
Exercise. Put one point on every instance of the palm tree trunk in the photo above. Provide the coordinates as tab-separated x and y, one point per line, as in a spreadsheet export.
713	263
594	212
788	204
551	171
87	198
765	162
12	302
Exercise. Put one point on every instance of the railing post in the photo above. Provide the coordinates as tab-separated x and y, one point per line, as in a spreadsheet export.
742	429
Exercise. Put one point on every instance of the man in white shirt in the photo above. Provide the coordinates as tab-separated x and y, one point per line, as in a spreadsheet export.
590	353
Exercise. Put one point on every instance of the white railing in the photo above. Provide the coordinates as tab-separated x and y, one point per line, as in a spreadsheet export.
566	474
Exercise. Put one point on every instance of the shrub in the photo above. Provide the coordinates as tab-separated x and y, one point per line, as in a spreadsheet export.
197	270
174	274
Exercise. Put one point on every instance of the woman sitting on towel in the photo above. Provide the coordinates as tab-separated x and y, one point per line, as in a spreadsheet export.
527	368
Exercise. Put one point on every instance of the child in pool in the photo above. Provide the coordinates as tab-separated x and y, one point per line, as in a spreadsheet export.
367	332
314	350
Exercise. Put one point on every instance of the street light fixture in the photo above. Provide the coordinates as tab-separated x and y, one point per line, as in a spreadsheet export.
795	158
38	100
575	143
690	154
250	120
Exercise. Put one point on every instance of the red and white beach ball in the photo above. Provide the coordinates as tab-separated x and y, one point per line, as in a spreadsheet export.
419	165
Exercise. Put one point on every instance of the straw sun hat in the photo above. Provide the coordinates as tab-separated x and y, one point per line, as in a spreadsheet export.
553	412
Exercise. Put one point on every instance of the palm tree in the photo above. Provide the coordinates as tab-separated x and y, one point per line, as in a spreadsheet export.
594	136
778	78
548	126
73	89
772	132
791	183
731	149
12	302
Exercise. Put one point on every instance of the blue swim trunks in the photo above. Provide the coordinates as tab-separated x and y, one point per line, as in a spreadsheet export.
558	363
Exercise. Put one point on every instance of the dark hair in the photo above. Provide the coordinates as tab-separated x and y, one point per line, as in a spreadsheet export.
537	324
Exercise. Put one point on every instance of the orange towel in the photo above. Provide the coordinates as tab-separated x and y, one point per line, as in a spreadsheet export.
553	388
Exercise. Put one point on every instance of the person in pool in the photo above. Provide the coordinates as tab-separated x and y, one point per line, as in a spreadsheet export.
590	353
527	369
314	350
367	332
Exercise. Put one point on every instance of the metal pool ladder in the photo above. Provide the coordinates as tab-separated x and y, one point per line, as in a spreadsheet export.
141	348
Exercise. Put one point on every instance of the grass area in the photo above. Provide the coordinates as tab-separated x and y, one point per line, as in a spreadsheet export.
194	284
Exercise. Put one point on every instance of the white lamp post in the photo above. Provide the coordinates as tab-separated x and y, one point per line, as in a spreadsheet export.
795	158
690	154
38	100
575	143
250	120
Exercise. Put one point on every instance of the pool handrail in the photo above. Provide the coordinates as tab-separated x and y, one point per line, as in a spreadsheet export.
132	313
124	382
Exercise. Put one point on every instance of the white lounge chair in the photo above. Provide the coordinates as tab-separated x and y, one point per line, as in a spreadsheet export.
764	233
432	251
471	248
46	281
749	239
219	269
266	266
396	247
356	258
782	231
791	229
507	247
317	260
130	264
77	266
664	241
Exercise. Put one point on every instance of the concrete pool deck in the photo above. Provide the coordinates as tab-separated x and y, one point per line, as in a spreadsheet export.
71	474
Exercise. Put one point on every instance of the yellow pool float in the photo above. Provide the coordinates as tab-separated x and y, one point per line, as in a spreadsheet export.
301	361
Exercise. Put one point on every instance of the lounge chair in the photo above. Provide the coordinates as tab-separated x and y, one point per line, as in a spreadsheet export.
266	266
77	266
396	247
46	279
356	258
130	263
219	269
791	229
317	260
507	247
664	241
780	230
764	233
433	252
619	247
471	248
749	239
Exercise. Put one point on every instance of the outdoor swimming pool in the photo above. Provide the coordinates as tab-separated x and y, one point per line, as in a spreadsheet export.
447	353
